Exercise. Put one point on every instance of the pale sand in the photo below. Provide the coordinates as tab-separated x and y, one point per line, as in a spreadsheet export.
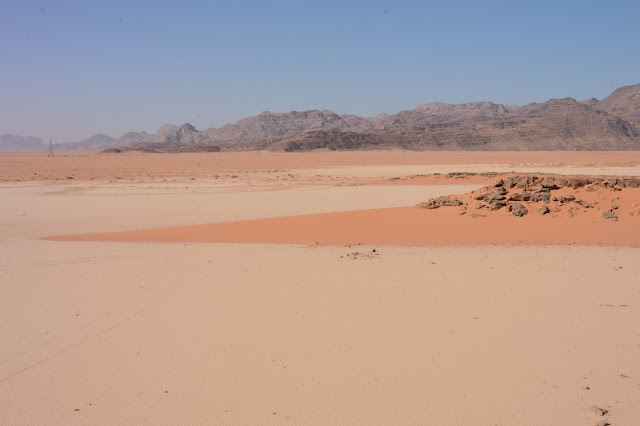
232	333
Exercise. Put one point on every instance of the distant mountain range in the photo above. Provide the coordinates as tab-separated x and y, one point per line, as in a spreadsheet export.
10	142
558	124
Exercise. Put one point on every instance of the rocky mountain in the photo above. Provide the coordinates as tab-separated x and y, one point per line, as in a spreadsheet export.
97	141
9	142
623	102
438	113
102	141
268	125
560	124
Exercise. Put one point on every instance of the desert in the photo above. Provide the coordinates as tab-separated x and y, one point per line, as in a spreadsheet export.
319	213
305	288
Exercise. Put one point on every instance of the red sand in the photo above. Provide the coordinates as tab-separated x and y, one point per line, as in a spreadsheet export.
395	226
90	165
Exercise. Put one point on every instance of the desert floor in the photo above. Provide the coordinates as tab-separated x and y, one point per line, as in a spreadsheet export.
261	333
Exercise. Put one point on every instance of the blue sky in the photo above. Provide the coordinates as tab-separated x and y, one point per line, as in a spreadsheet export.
71	69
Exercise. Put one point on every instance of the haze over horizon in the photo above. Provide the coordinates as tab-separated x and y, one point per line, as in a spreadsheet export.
74	69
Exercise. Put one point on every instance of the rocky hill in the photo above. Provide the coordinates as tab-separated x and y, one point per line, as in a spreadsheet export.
9	142
558	124
439	113
102	141
268	125
625	103
562	124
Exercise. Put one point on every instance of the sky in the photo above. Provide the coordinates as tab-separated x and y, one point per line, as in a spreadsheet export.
71	69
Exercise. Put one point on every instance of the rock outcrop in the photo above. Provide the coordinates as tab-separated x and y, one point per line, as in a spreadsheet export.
522	194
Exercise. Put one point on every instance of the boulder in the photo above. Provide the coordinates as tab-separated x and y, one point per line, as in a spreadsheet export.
585	204
564	198
525	196
497	204
434	203
518	209
578	182
541	196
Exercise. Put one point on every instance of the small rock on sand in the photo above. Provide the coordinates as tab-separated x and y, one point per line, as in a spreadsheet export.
477	216
600	411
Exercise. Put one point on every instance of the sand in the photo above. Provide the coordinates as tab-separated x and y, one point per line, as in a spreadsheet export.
227	333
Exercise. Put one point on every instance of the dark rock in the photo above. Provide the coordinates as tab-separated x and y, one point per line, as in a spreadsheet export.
518	209
544	210
502	190
600	411
434	203
585	204
497	204
564	198
633	183
549	183
477	216
614	207
609	215
525	196
499	183
541	196
578	182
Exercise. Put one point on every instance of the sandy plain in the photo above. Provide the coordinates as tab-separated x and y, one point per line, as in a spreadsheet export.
260	333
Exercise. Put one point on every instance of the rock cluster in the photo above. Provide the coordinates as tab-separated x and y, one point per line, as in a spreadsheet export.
517	193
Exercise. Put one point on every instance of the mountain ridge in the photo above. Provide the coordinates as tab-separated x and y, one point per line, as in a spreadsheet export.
611	123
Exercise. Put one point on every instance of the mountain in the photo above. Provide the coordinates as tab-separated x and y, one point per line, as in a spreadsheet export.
98	141
9	142
559	124
437	113
102	141
623	102
268	125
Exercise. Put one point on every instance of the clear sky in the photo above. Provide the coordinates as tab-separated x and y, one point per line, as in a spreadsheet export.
70	69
